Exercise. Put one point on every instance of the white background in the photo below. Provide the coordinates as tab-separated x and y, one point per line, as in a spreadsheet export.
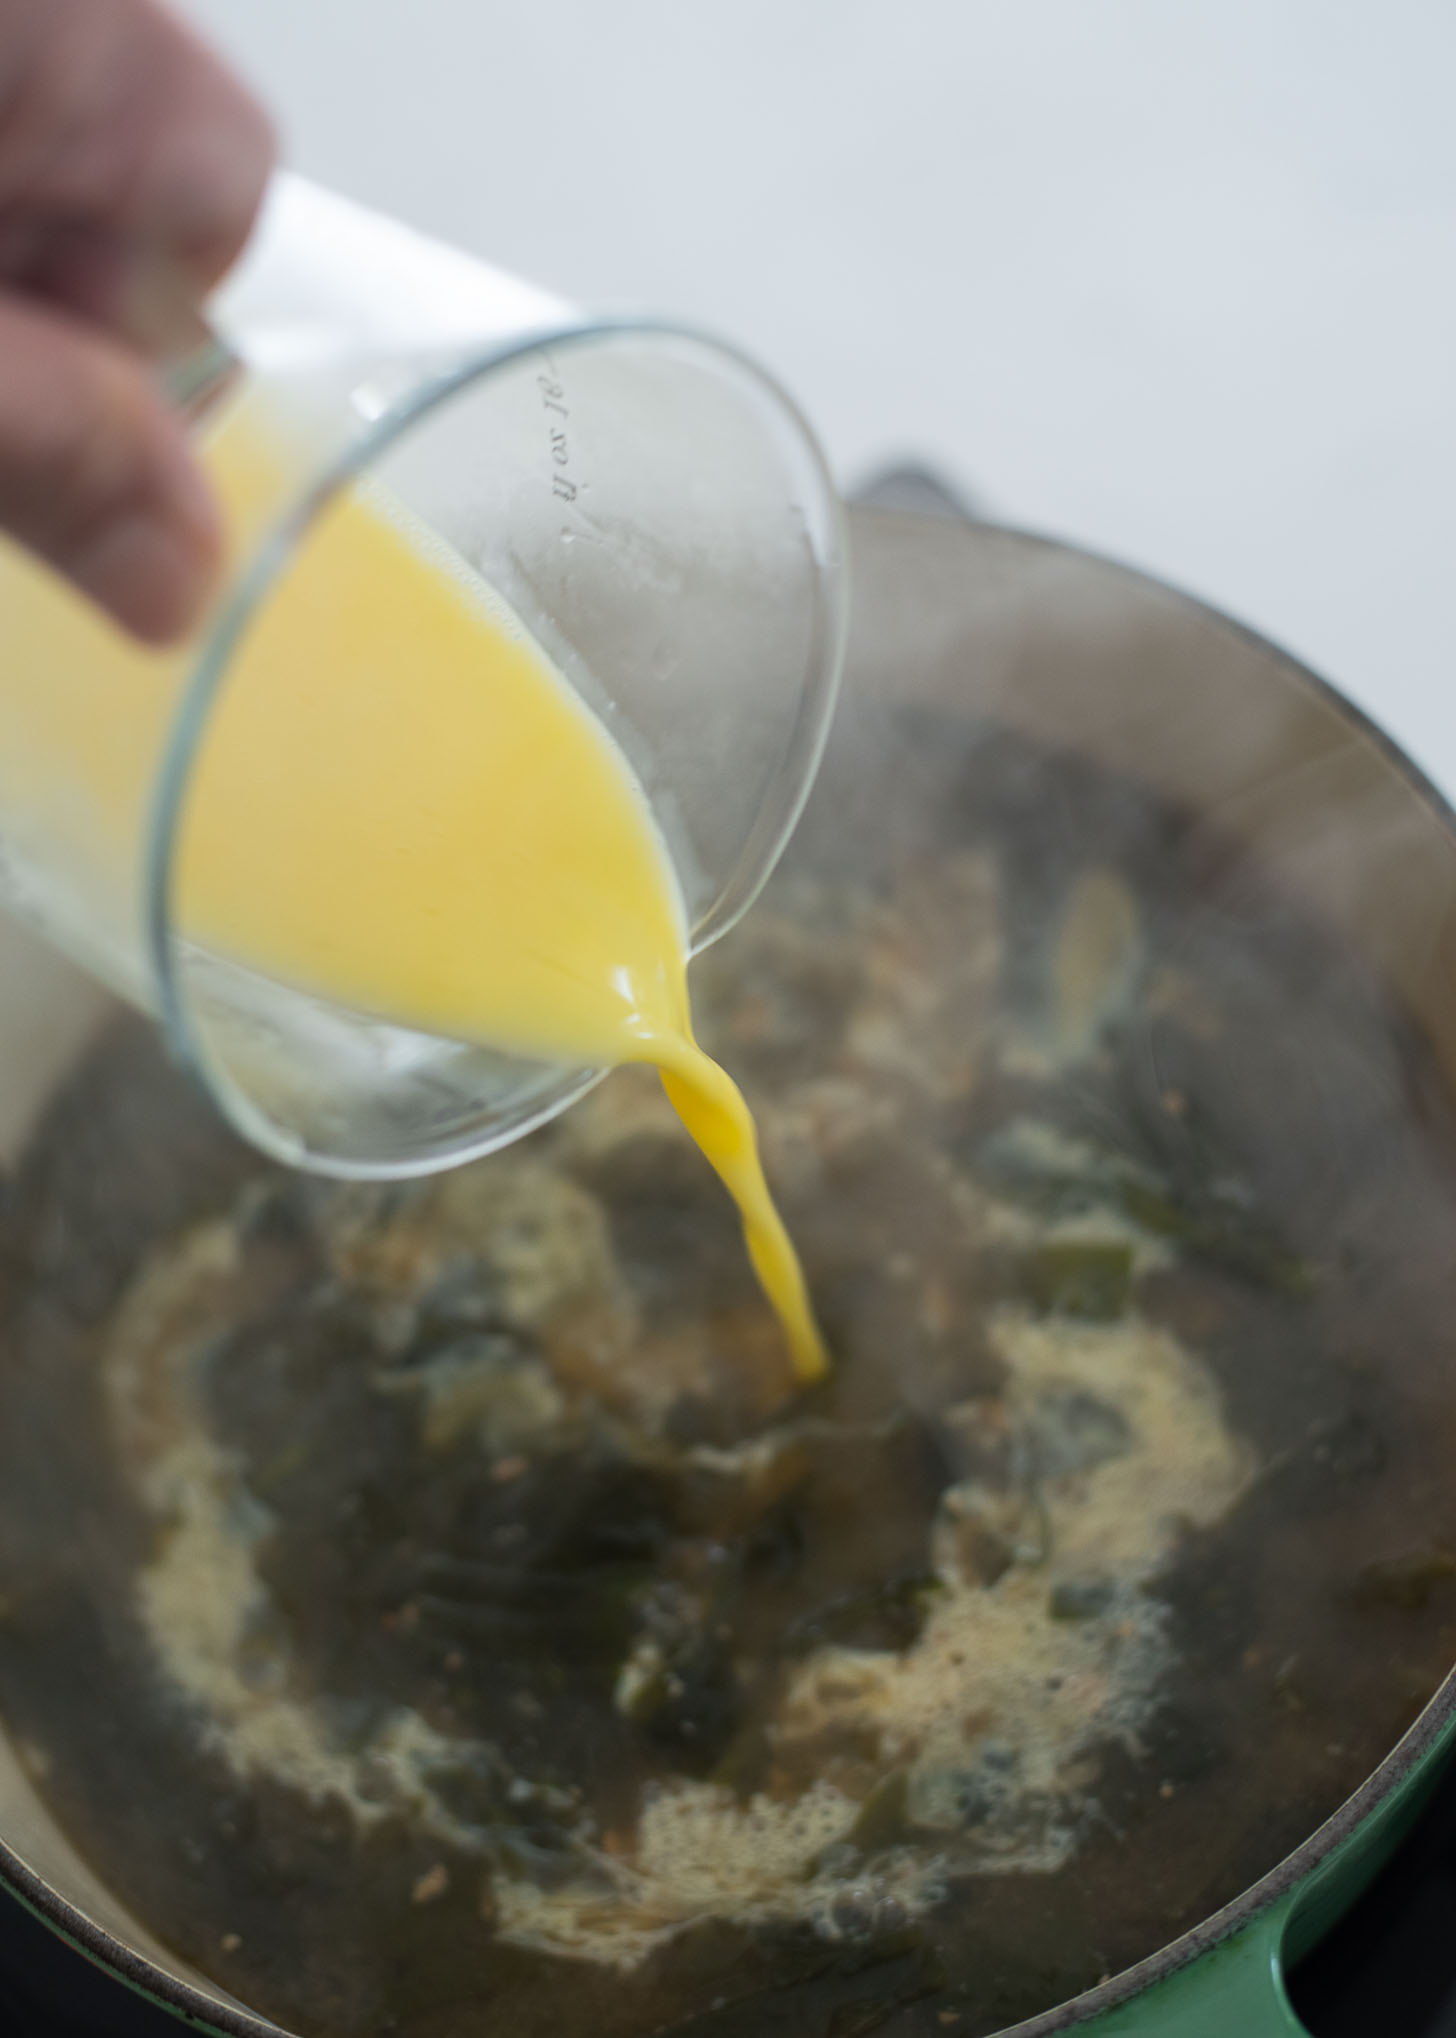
1173	278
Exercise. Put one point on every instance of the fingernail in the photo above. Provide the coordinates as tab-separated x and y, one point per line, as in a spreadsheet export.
151	571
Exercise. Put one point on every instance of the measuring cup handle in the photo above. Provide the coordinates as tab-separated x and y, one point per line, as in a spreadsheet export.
1235	1990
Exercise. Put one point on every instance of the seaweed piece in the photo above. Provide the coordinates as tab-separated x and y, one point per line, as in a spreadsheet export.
1072	1431
1033	1165
577	1552
774	1546
1220	1227
1214	1221
1085	1278
1080	1598
690	1702
884	1817
1405	1582
884	1615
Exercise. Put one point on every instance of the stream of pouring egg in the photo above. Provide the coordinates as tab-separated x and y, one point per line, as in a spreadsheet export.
401	806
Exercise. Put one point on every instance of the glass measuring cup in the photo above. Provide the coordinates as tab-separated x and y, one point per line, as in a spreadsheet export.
647	503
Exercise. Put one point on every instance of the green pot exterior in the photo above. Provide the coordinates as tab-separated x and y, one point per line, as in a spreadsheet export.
1236	1989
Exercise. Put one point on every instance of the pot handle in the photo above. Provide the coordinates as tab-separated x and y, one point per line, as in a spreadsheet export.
1237	1987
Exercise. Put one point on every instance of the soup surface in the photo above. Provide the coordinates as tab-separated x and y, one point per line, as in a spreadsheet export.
435	1609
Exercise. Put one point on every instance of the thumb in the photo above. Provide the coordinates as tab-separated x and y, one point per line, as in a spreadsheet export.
96	474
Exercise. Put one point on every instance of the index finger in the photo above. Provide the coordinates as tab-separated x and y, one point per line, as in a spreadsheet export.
122	137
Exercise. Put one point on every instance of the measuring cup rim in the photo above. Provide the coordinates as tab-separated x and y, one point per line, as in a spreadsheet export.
269	558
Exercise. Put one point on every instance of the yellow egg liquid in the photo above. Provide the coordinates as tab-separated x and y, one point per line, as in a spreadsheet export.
400	806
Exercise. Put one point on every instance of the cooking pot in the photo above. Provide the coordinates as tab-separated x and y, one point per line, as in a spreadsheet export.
1088	656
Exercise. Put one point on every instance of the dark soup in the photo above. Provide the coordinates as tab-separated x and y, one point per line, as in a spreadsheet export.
434	1611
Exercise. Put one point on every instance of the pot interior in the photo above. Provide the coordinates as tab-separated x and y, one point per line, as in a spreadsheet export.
431	1604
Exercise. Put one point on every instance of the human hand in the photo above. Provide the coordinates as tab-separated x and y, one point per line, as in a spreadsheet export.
131	167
